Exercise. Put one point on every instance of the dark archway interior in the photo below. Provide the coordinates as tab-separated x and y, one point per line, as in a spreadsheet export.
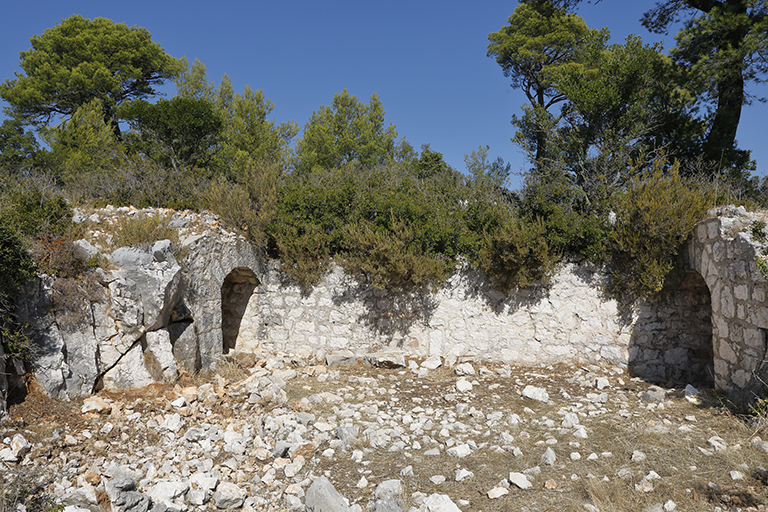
671	341
236	290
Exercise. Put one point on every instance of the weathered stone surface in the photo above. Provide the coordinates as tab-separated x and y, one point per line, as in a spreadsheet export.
323	497
391	360
159	357
228	495
520	480
124	497
534	393
129	372
439	503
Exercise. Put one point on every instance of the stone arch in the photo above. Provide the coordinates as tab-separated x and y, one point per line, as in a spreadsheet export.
236	291
672	338
723	250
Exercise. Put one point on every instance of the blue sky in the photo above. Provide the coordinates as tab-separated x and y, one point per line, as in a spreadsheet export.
425	59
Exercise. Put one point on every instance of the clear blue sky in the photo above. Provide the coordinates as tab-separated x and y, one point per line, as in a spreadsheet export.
425	59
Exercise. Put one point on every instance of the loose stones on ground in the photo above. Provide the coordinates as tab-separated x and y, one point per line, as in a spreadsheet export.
278	450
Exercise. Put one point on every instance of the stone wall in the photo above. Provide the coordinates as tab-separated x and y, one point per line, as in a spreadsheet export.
570	320
671	338
725	253
152	317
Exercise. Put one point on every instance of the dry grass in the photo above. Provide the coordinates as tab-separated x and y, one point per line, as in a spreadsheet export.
672	455
692	479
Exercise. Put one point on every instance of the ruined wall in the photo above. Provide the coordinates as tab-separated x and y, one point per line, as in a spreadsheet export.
672	337
725	253
153	317
570	320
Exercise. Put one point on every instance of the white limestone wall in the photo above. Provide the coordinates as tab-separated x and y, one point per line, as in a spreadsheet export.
570	321
725	252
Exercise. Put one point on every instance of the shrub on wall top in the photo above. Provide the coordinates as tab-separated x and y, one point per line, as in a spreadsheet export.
655	217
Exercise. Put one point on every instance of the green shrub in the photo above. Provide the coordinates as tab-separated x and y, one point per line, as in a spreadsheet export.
16	267
758	231
33	206
516	255
304	252
655	217
392	259
573	226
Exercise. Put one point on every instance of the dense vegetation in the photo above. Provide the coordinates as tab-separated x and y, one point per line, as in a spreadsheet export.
622	163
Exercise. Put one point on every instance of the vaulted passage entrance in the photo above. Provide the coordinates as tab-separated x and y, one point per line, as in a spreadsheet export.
236	290
672	339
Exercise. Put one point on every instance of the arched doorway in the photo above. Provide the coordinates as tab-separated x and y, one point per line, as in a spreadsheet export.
236	291
671	341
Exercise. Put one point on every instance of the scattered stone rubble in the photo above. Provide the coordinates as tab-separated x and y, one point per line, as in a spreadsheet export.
298	434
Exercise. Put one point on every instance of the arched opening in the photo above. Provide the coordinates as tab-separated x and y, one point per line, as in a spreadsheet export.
236	291
671	341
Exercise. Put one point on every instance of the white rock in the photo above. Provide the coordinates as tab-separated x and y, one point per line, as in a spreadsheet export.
736	475
460	451
670	505
437	479
717	443
575	456
20	446
464	369
602	383
167	491
172	422
463	385
535	393
228	495
432	363
362	483
520	480
570	420
548	457
6	455
497	492
463	474
638	456
95	404
438	503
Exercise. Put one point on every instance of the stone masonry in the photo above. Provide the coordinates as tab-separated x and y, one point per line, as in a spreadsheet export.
153	317
725	253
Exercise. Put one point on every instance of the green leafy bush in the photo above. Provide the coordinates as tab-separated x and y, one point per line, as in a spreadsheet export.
16	267
35	206
304	252
758	231
655	217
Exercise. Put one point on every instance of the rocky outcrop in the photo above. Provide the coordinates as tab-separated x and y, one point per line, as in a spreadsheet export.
130	326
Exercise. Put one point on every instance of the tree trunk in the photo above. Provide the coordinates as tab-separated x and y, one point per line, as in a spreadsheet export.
730	93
